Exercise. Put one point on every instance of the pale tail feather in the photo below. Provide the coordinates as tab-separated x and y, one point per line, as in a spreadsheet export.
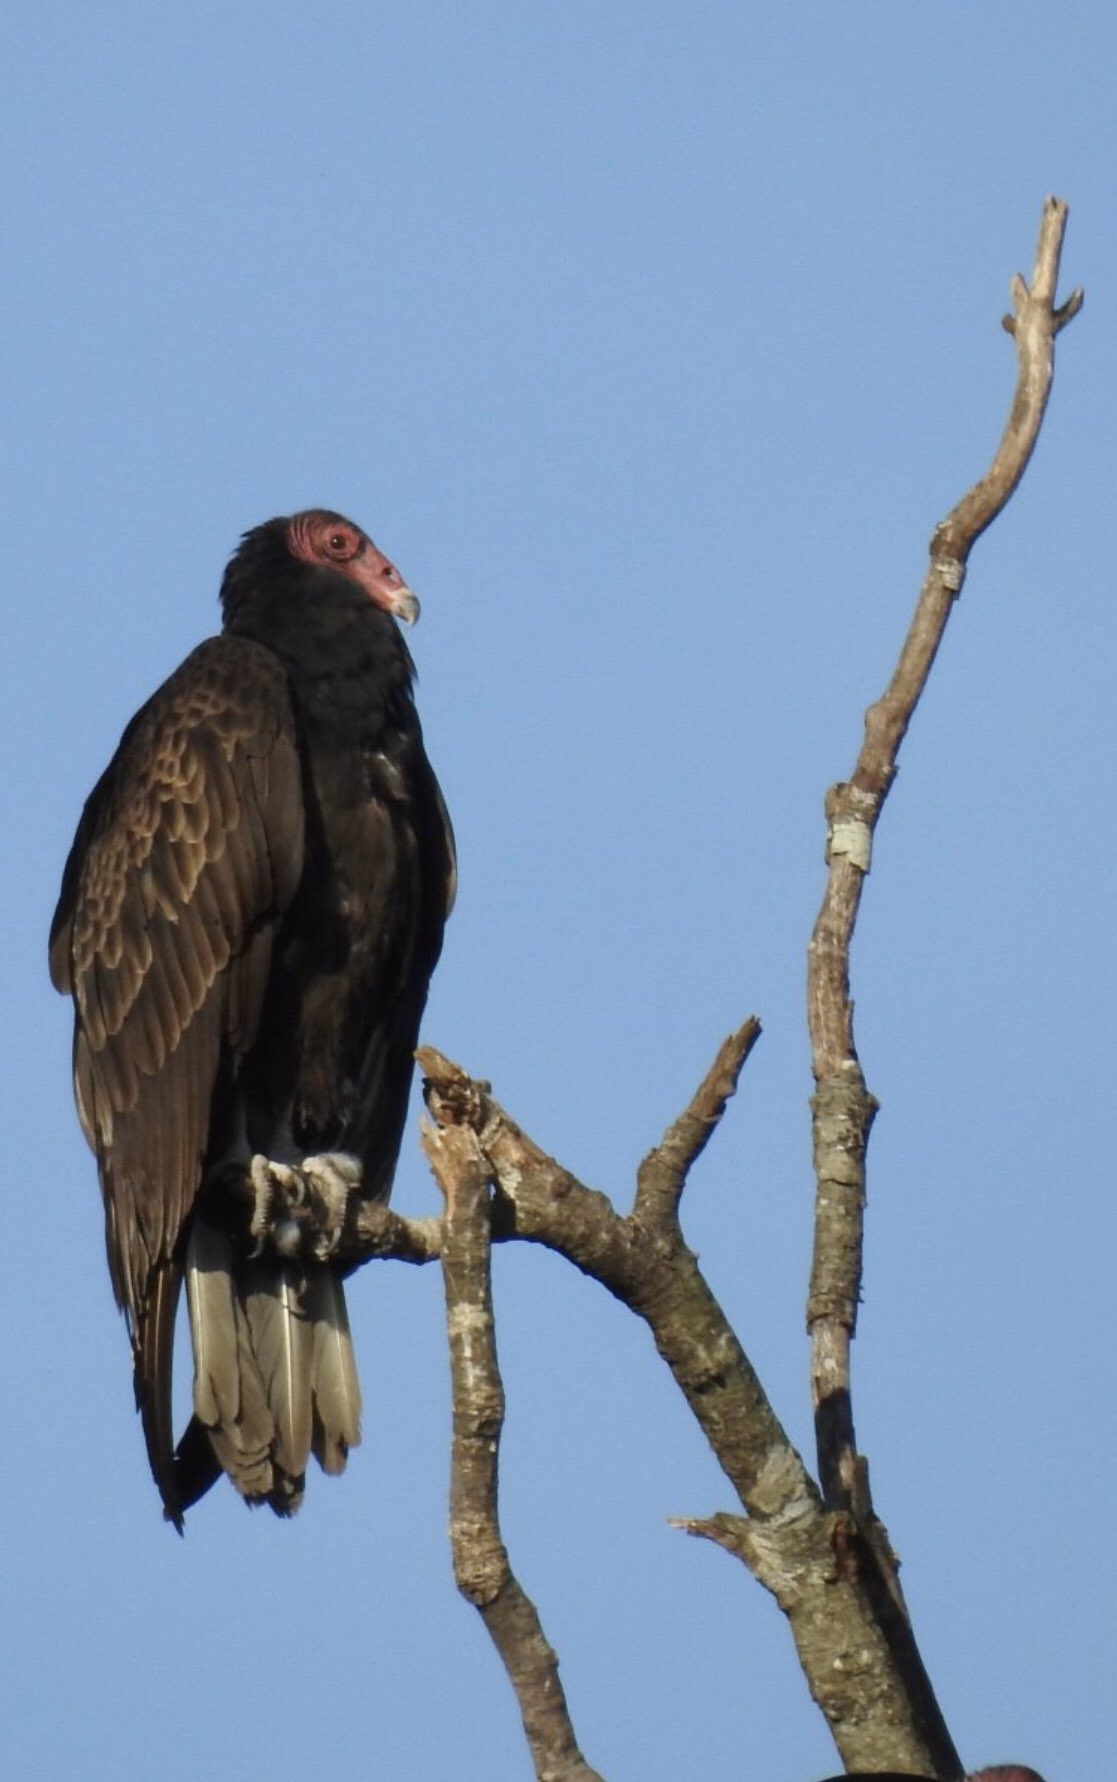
213	1325
337	1390
274	1372
230	1396
283	1343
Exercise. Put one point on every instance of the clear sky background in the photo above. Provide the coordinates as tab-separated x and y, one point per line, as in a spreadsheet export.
650	340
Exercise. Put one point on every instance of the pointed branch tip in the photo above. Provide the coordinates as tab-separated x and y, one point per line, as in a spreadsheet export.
662	1175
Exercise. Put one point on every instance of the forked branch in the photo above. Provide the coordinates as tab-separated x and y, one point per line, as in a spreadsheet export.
856	1650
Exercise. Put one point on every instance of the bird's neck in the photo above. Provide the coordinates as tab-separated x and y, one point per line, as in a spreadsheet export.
350	670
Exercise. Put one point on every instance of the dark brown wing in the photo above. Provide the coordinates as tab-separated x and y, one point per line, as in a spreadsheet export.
188	851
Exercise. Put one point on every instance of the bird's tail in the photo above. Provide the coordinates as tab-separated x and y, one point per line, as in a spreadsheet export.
274	1375
153	1353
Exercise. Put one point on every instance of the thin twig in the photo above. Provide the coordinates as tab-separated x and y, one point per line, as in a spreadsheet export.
661	1178
843	1108
481	1565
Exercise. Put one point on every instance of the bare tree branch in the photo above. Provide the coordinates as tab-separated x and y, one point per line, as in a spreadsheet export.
857	1652
661	1178
842	1108
481	1566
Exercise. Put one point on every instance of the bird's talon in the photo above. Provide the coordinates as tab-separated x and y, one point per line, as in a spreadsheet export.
333	1179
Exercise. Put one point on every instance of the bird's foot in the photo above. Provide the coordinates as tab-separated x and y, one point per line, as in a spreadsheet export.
334	1180
304	1205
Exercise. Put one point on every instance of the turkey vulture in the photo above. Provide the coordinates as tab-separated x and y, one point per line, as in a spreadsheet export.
248	921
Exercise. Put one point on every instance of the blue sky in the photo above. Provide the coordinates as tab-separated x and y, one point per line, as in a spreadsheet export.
650	341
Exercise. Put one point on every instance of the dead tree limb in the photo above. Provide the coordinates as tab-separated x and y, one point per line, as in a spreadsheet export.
857	1652
661	1178
842	1107
481	1565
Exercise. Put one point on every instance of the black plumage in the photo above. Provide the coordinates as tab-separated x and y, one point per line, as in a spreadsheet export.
248	921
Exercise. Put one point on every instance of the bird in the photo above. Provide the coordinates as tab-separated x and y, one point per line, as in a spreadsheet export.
248	921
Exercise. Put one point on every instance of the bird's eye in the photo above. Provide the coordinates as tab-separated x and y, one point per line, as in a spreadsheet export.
337	542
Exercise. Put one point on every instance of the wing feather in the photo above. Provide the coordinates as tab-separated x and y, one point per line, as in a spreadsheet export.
188	852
